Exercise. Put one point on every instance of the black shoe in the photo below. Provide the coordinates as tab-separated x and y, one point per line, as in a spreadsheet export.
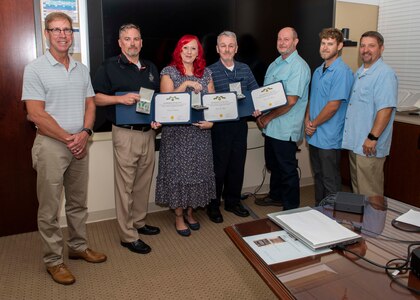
238	210
137	246
183	232
214	214
148	230
267	201
192	226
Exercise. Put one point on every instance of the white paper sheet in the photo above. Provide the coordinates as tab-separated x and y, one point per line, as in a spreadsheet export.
279	246
316	228
411	217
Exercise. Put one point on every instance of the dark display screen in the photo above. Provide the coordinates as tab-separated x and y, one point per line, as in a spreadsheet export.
163	22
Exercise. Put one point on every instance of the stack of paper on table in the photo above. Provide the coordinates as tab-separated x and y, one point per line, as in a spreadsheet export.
313	228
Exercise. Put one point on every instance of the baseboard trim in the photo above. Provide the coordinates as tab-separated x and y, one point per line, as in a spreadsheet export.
109	214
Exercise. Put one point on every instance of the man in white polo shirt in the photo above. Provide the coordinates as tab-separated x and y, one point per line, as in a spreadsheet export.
59	99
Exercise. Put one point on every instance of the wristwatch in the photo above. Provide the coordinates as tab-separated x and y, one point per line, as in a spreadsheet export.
372	137
88	130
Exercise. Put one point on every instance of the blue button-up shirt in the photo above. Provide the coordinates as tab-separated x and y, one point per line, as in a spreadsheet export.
295	74
333	84
373	90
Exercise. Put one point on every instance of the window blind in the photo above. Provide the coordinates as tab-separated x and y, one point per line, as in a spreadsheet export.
399	23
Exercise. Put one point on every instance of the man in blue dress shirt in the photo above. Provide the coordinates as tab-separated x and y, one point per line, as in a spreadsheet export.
324	120
283	126
369	117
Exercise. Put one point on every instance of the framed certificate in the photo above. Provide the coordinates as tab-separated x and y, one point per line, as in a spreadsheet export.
269	97
173	108
221	107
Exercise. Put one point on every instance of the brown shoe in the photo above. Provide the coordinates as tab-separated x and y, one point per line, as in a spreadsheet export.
88	255
61	274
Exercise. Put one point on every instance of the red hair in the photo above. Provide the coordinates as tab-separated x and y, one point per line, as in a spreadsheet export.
199	63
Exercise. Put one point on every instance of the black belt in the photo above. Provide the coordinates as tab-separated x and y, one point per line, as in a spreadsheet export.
139	127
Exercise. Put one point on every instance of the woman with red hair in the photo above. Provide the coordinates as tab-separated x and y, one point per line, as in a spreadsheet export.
185	178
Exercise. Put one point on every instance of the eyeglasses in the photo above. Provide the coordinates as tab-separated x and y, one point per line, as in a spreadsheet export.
57	31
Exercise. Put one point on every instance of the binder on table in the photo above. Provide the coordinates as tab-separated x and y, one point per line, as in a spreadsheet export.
313	228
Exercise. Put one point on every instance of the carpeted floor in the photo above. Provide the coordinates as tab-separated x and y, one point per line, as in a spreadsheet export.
205	265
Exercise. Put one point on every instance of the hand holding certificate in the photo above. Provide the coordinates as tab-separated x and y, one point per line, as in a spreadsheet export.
221	107
269	97
173	108
183	108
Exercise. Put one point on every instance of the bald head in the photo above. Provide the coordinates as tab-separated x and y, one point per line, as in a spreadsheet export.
290	31
287	39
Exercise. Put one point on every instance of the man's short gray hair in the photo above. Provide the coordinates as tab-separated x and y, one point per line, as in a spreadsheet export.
128	26
227	33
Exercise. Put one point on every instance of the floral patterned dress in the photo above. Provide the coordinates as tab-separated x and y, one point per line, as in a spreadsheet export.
185	177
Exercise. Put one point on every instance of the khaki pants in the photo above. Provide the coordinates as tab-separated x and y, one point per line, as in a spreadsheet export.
134	158
367	174
57	168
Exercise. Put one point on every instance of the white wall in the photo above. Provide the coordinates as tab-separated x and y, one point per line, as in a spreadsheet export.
254	165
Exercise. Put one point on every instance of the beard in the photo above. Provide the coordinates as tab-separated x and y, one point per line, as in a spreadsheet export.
328	55
366	57
287	51
133	52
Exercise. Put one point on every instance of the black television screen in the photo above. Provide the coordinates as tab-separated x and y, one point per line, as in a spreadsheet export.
163	22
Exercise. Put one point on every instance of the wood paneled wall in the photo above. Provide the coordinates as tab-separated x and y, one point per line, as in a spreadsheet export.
18	201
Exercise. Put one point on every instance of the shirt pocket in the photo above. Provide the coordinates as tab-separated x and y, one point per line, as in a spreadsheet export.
366	94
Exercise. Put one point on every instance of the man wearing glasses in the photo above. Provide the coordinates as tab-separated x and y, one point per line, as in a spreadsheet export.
59	99
134	144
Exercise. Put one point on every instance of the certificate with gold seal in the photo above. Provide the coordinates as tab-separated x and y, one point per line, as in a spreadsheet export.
269	97
221	107
173	108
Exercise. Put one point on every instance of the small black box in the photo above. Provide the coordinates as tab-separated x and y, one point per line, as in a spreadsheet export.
415	262
349	202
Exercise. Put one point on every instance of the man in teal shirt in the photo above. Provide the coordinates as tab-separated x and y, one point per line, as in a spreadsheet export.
283	126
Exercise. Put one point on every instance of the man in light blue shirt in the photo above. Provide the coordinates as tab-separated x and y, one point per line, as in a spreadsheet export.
324	120
369	118
283	126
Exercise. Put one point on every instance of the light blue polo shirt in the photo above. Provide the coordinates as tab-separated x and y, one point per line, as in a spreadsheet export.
295	74
333	84
373	90
64	91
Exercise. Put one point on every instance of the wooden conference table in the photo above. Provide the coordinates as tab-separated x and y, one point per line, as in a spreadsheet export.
338	275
